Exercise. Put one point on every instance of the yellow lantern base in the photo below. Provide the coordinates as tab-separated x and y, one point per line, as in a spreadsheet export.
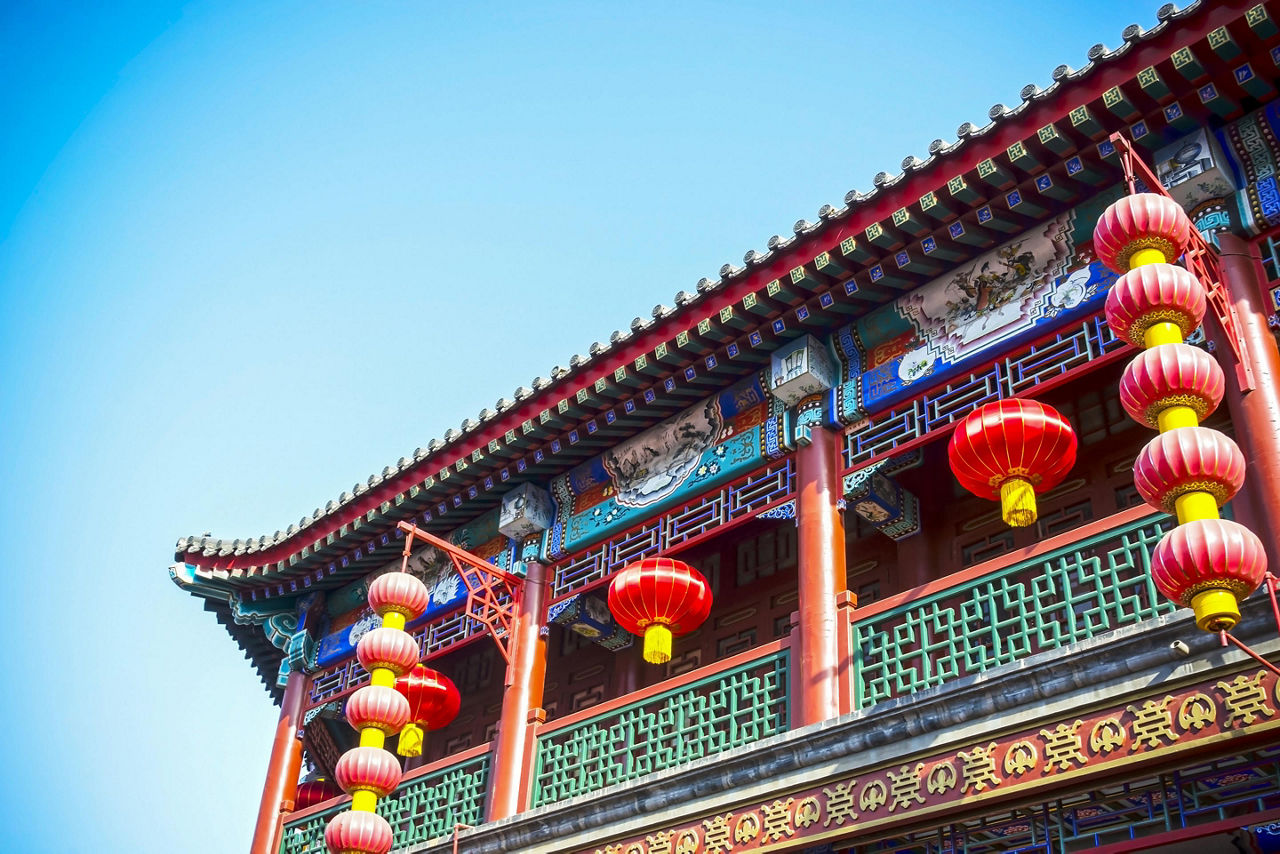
1017	502
1164	332
1194	506
1216	610
1146	256
1174	417
657	644
364	801
411	740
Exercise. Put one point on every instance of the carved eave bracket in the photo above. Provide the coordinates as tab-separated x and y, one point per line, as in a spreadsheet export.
493	595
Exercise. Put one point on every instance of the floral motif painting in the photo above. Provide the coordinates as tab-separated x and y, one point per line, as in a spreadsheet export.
1042	278
689	453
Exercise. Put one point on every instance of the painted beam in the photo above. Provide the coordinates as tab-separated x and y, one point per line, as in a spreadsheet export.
1186	63
972	234
1083	121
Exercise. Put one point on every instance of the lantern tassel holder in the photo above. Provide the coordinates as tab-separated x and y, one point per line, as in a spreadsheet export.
657	644
1017	502
412	740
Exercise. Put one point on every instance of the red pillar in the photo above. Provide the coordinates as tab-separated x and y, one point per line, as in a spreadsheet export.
521	702
1255	413
821	580
282	769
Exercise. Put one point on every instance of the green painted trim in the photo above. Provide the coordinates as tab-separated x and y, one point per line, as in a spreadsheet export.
1071	594
728	709
420	810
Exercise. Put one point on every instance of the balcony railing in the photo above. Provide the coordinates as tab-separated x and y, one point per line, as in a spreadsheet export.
1066	589
725	705
430	802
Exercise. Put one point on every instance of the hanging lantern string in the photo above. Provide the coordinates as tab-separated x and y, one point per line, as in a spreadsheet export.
404	559
1225	636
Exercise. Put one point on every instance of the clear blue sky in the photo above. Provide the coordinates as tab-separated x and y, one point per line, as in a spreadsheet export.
230	231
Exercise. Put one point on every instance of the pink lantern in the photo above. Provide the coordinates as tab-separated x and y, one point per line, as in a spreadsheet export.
1186	460
1138	222
400	593
1171	375
379	707
1209	565
394	649
1154	293
368	769
354	832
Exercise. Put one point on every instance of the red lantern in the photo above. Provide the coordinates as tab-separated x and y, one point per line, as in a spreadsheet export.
398	593
1169	377
1152	294
659	597
1177	466
379	707
1148	226
314	792
433	702
1209	565
1011	450
353	832
394	649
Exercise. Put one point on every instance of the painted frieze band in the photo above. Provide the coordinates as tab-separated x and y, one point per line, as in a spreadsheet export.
707	444
1020	290
930	787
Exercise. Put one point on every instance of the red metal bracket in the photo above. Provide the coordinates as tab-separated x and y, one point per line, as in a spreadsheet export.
1200	259
1270	582
493	595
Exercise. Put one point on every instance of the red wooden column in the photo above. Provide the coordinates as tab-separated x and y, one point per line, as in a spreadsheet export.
522	701
1256	413
821	581
282	769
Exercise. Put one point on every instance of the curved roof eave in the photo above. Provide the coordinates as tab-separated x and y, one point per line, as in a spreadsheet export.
509	412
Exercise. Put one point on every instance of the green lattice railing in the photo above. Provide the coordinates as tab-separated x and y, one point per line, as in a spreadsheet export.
737	705
1065	595
423	808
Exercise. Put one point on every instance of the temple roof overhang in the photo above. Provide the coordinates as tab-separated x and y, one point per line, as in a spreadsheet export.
851	259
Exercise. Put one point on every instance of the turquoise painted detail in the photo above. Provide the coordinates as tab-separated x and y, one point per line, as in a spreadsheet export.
736	707
1068	595
707	444
425	808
